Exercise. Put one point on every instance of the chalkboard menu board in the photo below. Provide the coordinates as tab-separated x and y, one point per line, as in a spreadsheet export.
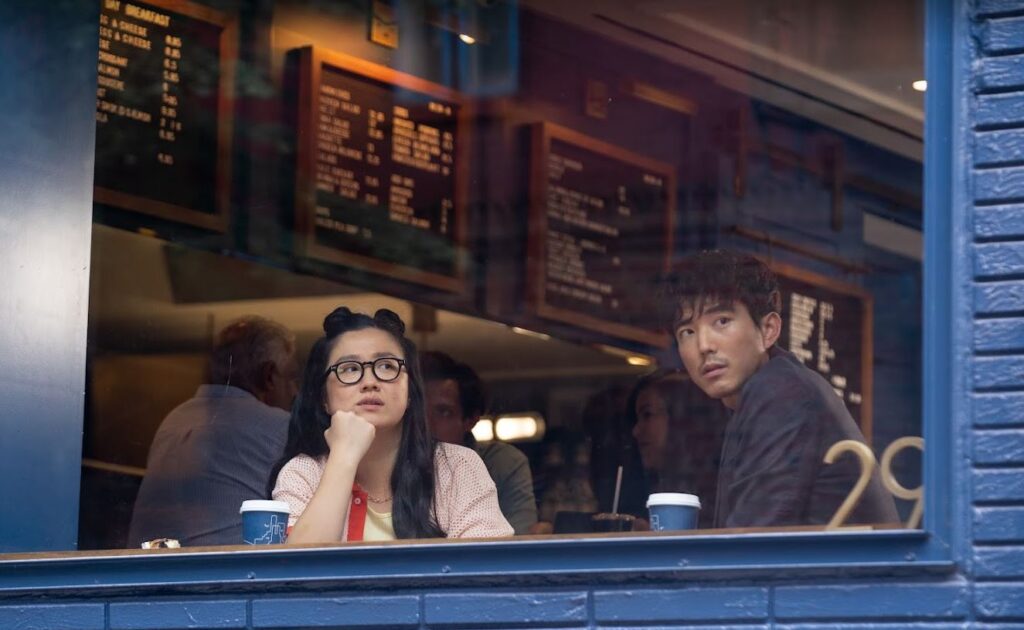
163	110
600	233
828	326
380	177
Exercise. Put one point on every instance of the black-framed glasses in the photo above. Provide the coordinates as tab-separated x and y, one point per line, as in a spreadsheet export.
386	369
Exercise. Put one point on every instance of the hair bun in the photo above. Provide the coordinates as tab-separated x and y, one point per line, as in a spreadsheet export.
390	319
339	318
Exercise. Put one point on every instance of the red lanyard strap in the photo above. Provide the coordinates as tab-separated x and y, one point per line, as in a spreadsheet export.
356	514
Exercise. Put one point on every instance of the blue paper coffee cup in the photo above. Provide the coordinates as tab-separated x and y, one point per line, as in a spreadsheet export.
264	522
673	510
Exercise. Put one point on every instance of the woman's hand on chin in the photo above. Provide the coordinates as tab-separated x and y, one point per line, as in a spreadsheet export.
349	435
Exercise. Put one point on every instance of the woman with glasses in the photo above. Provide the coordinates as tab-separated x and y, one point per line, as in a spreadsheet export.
359	463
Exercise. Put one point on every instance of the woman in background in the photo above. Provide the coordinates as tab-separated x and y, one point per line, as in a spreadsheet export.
679	431
359	463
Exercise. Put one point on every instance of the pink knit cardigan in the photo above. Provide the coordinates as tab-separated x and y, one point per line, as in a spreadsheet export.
465	499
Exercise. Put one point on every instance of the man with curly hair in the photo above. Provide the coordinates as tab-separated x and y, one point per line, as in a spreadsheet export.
725	317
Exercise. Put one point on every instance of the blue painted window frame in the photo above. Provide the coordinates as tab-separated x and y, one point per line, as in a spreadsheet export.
938	548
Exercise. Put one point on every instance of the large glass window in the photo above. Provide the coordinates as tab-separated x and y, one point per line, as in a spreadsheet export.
526	186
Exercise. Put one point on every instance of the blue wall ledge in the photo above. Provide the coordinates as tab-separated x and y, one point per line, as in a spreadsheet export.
591	560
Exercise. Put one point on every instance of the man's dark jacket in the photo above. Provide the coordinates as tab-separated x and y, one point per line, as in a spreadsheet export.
773	471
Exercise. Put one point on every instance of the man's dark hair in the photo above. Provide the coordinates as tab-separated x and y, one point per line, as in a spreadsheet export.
438	366
720	276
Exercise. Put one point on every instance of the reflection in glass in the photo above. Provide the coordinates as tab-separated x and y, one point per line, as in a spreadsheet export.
516	200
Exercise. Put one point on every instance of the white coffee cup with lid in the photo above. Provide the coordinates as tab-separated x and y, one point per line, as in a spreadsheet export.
673	511
264	522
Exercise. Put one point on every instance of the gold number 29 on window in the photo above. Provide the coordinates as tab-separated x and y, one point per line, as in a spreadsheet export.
916	494
867	467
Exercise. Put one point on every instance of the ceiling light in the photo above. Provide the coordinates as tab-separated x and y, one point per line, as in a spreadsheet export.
519	427
632	358
483	430
529	333
466	38
920	86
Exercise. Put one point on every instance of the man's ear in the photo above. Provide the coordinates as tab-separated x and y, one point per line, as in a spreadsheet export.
267	373
771	328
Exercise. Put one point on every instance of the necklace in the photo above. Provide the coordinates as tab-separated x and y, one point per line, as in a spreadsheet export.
374	499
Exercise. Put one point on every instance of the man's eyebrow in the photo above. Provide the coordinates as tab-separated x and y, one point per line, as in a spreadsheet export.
720	307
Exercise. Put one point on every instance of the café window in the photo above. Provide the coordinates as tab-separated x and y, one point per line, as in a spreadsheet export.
522	184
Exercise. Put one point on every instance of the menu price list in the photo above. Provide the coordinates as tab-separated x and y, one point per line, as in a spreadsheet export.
385	172
157	105
605	238
824	329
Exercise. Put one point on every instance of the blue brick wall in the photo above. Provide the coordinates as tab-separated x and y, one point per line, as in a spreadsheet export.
840	604
996	569
986	592
161	615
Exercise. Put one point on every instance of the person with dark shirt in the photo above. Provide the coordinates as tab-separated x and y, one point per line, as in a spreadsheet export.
455	402
217	449
725	317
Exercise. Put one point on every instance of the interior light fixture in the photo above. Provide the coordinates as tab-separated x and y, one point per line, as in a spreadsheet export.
483	430
461	23
632	358
920	85
519	427
529	333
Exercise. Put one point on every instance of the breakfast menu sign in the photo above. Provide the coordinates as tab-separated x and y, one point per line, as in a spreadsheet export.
163	110
828	326
600	234
381	172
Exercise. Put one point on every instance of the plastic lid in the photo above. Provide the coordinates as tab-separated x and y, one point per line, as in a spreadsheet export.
673	498
254	505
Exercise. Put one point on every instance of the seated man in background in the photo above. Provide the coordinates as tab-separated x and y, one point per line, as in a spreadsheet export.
216	449
455	401
725	313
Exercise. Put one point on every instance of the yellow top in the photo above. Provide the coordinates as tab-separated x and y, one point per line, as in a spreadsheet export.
378	526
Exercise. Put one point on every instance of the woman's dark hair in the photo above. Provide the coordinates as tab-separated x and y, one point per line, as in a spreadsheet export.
694	442
412	480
